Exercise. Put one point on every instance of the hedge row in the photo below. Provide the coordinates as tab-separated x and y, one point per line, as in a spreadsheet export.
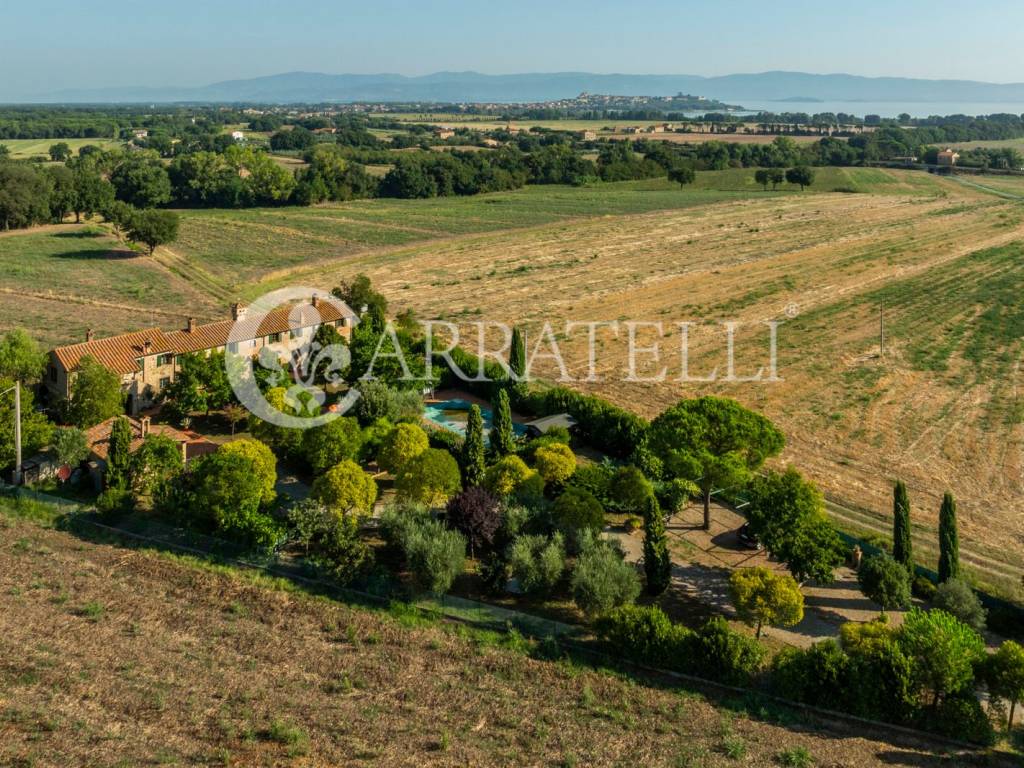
644	634
875	685
618	432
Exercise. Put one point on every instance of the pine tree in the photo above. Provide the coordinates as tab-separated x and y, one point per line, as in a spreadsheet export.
502	434
657	563
119	453
473	449
902	548
949	540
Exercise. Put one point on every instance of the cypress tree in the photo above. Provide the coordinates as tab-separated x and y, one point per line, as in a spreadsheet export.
517	354
473	449
119	453
902	548
949	540
657	563
502	434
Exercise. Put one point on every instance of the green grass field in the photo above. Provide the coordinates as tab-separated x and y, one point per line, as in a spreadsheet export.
25	148
1017	144
63	280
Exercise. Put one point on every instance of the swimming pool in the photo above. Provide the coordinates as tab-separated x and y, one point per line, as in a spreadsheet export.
453	414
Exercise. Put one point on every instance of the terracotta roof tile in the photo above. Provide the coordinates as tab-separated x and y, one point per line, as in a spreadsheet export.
118	353
98	437
213	335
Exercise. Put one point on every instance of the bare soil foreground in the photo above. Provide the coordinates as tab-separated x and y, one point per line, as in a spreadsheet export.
111	656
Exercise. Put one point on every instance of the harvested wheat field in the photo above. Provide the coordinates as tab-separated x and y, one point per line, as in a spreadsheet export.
112	656
945	262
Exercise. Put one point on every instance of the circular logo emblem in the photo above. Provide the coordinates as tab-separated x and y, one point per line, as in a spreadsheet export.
283	345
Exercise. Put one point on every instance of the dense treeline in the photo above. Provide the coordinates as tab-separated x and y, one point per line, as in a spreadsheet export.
887	143
185	159
110	122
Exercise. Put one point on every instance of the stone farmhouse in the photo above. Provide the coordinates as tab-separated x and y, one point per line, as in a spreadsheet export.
146	360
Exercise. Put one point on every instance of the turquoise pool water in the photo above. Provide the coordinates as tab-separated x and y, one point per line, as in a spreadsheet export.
452	415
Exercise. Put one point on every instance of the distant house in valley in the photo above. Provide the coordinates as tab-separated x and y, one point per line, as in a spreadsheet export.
140	133
491	143
146	360
587	135
947	157
443	133
238	136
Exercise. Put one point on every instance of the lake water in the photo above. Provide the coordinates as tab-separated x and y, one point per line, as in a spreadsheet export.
885	108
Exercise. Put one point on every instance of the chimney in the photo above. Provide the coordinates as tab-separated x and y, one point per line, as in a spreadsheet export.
363	310
144	426
90	334
316	301
191	325
237	311
147	346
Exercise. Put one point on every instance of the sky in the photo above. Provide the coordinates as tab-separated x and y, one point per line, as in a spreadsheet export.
58	44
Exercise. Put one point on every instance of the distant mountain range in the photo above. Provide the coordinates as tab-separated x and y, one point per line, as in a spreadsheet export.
794	87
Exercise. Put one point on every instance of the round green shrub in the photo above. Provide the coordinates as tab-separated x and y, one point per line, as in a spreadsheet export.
956	598
923	588
723	654
577	511
885	581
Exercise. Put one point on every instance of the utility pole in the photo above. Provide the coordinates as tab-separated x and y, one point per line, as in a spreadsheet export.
17	433
17	430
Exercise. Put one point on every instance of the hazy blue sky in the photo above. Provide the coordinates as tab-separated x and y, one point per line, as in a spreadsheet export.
47	46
